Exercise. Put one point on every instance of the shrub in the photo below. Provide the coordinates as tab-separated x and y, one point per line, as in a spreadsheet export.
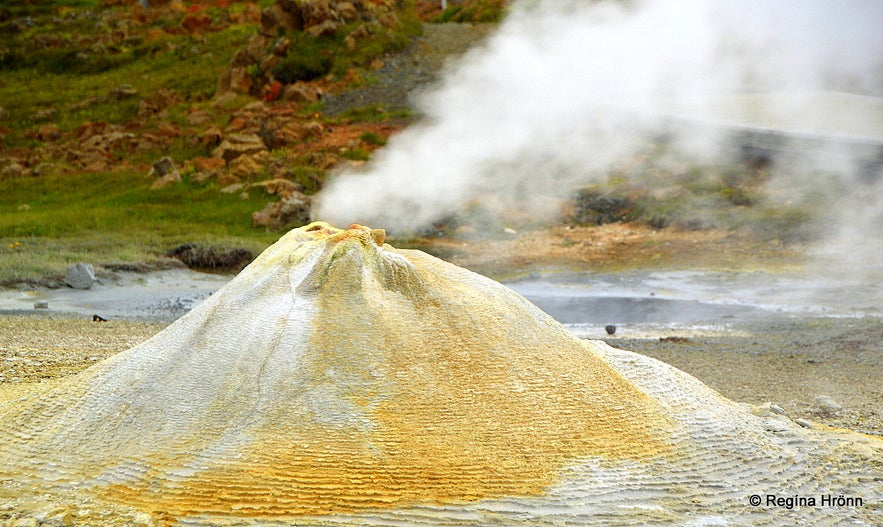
372	139
308	59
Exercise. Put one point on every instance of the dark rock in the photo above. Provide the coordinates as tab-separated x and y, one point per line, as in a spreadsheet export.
592	207
200	257
610	329
165	173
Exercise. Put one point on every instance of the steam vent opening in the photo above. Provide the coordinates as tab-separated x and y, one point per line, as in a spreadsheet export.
339	380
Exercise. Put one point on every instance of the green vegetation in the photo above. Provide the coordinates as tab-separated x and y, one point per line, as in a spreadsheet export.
90	68
372	138
311	58
179	64
475	11
374	113
52	221
67	66
308	60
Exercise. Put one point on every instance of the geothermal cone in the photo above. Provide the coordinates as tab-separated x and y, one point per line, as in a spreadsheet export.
338	380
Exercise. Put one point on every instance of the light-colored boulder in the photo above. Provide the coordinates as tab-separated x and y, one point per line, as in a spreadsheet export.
80	276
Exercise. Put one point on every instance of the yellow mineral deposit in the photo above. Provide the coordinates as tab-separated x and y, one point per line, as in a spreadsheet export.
338	380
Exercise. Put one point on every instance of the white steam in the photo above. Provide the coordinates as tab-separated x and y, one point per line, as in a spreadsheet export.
565	89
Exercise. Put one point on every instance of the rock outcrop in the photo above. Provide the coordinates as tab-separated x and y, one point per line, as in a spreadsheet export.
251	68
340	381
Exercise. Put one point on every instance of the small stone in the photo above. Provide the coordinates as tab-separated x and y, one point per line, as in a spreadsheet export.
163	167
767	409
45	115
13	170
41	304
610	329
804	423
246	166
57	517
235	187
776	409
301	92
165	172
773	424
827	406
80	276
142	519
237	145
121	92
48	132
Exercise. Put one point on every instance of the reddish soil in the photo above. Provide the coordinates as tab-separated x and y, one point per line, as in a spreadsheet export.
610	247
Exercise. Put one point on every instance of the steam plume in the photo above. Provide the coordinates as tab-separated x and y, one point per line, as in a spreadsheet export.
564	89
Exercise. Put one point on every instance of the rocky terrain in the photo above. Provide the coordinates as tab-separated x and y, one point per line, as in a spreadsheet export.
265	127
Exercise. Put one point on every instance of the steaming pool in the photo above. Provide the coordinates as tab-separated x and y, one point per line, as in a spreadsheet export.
642	300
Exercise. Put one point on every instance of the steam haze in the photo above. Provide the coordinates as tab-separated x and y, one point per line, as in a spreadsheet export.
565	89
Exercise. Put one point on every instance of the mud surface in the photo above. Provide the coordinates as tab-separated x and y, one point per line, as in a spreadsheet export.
161	296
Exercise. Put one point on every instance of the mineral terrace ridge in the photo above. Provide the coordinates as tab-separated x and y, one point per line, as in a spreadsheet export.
338	380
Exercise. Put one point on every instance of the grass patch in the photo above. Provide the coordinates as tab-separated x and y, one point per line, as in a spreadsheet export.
60	219
181	63
372	138
474	11
373	113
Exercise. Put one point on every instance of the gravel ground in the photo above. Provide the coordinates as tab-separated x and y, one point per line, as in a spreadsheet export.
801	364
40	347
787	361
